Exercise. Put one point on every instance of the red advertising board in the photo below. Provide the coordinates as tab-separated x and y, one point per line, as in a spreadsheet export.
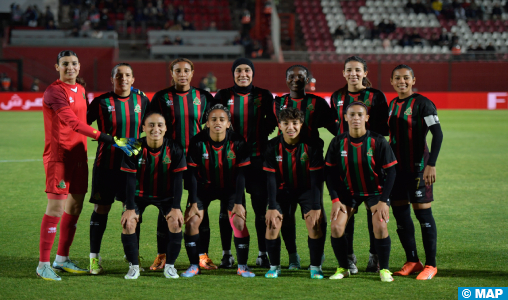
443	100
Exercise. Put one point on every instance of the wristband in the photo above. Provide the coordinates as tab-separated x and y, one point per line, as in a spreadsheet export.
335	200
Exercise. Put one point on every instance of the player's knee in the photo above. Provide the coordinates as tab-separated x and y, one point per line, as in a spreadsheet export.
130	226
102	209
238	223
380	229
337	229
174	226
193	223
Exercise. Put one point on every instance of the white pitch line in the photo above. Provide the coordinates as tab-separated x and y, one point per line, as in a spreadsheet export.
28	160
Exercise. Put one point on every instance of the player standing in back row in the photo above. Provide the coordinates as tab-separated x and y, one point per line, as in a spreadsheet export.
411	118
250	116
359	88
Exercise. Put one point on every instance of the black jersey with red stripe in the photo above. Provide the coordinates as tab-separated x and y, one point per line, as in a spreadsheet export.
360	161
184	112
409	123
154	168
374	99
117	116
251	115
316	110
218	163
292	164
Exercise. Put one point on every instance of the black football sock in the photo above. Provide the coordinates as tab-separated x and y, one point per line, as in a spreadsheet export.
288	231
273	249
191	245
383	247
406	231
322	239
372	238
173	247
162	234
138	233
226	231
130	243
259	205
98	224
242	249
340	247
349	233
315	251
429	234
204	234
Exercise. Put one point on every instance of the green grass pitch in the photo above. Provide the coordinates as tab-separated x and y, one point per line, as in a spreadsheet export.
470	211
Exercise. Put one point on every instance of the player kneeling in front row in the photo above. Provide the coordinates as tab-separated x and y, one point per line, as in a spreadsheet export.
216	159
360	169
154	177
294	165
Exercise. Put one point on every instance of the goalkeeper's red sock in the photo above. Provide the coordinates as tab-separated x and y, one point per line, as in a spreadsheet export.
67	232
48	233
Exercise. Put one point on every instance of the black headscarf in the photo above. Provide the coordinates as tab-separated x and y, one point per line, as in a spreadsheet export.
242	89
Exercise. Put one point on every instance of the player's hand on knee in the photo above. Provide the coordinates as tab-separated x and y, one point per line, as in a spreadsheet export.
129	218
383	211
429	175
273	217
192	211
313	217
175	215
239	211
337	209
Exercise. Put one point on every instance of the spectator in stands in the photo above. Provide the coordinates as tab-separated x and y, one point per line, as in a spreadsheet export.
6	82
444	40
375	32
211	82
176	27
434	39
167	41
405	41
257	49
390	27
203	84
86	28
94	15
339	32
245	20
179	14
382	25
419	7
237	40
460	12
30	17
35	85
75	32
436	6
497	11
16	14
178	40
416	38
387	45
188	26
48	16
490	48
170	12
150	13
51	25
97	34
212	27
104	21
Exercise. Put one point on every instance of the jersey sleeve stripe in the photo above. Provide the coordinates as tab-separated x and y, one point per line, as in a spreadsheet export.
244	164
390	164
192	164
316	168
179	169
128	170
330	165
269	169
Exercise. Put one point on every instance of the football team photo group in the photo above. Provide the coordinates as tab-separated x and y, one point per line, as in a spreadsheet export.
185	148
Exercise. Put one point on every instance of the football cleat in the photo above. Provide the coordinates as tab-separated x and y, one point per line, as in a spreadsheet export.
133	272
294	262
428	273
47	273
386	275
316	273
244	271
192	271
262	261
159	262
409	268
69	266
373	264
340	273
206	263
351	259
227	261
95	266
170	272
274	272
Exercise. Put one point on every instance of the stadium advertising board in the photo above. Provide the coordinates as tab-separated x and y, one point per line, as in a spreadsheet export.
31	101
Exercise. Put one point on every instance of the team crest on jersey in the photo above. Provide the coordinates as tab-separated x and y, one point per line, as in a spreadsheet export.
196	101
141	161
257	102
418	194
205	155
231	102
166	160
341	103
71	100
61	185
408	111
137	109
231	155
310	107
97	196
169	102
367	103
111	108
370	152
278	158
304	157
343	153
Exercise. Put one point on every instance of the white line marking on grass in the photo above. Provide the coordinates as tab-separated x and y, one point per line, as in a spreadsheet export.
27	160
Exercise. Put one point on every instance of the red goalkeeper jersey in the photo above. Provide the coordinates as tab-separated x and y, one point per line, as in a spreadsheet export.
64	109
